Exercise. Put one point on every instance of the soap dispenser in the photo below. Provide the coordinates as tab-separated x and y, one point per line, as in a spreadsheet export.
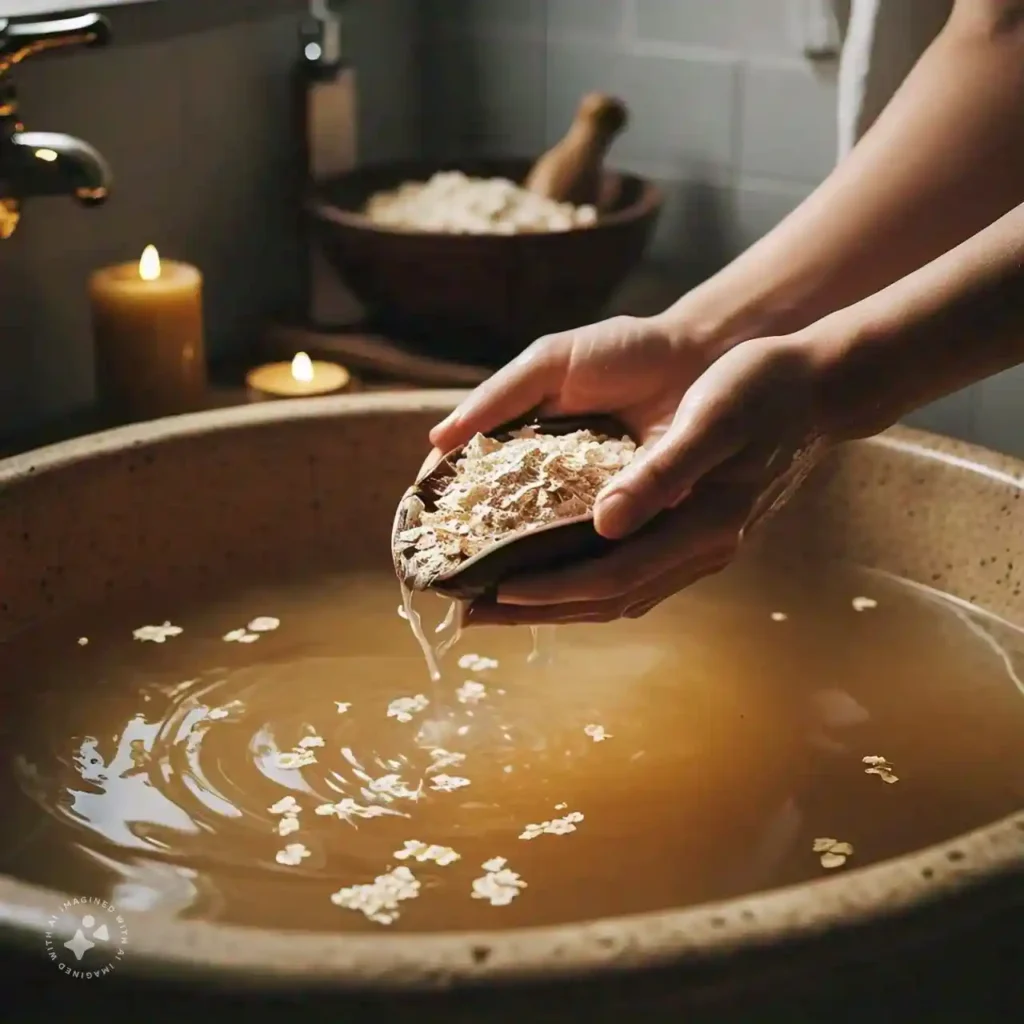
327	115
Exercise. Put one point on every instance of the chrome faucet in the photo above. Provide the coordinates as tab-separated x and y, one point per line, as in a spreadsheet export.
44	163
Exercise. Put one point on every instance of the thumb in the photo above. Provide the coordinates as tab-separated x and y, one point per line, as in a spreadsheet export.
535	375
662	476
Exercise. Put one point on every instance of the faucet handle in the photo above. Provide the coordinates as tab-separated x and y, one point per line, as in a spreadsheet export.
20	40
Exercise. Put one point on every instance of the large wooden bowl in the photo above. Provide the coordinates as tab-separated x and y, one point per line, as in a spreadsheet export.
258	491
479	298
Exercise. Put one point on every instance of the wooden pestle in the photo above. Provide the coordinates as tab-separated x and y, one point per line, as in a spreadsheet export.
572	170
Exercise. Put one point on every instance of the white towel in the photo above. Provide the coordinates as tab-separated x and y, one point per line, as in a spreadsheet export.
883	41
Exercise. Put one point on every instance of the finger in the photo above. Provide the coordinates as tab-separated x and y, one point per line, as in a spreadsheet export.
607	610
699	440
680	583
512	392
706	524
491	614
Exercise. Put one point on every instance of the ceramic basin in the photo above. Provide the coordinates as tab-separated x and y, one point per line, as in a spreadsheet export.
257	490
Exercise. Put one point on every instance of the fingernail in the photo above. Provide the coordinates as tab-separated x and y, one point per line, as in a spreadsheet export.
614	515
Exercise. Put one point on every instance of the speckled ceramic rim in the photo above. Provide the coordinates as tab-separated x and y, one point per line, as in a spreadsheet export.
985	866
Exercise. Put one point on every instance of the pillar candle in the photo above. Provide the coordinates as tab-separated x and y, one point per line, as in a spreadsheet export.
148	333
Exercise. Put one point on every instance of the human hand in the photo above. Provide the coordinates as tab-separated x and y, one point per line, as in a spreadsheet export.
636	369
730	448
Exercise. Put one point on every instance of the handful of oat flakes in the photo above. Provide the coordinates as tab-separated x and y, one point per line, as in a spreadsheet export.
514	502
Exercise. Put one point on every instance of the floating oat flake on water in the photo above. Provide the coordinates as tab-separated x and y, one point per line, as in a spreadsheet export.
286	805
379	900
348	808
241	636
557	827
833	853
157	634
292	855
423	852
264	624
779	616
288	824
471	692
295	758
442	758
863	604
216	713
597	733
393	787
82	641
494	864
477	663
342	706
499	887
880	766
448	783
403	708
311	741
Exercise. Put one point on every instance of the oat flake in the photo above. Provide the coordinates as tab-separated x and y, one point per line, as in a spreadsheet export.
471	692
348	808
422	852
863	604
557	827
295	758
477	663
448	783
403	708
499	887
264	624
292	855
881	767
597	733
288	824
157	634
442	758
379	900
834	853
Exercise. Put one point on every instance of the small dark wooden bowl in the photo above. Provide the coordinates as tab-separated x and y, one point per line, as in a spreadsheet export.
547	547
478	298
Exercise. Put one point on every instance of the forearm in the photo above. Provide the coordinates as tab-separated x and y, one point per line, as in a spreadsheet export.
951	323
945	159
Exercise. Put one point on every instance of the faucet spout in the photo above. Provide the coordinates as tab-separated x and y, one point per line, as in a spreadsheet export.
53	164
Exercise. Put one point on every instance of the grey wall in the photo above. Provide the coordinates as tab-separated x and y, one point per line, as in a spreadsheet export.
194	121
727	113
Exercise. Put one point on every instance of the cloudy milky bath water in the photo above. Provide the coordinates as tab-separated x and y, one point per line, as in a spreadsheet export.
281	757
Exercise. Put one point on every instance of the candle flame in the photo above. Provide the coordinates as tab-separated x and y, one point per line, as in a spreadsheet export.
302	367
149	265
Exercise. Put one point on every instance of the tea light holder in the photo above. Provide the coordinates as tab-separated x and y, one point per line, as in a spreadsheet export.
301	378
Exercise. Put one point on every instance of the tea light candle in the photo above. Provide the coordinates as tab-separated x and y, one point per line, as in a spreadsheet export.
301	378
148	334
